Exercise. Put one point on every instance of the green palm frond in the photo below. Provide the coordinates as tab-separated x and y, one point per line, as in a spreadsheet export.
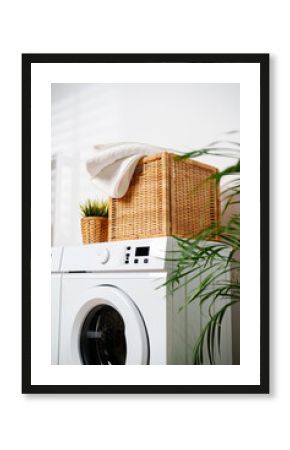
210	335
211	257
225	152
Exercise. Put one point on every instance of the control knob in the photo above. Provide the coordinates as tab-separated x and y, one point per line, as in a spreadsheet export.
102	255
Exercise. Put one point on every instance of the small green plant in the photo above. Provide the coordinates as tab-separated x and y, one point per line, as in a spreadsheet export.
94	208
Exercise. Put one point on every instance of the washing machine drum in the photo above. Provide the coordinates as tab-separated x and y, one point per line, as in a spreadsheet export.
102	339
113	331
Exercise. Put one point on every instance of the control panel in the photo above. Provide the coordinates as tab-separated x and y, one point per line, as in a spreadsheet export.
118	256
137	255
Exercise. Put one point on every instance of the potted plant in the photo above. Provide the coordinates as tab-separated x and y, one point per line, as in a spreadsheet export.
94	223
196	259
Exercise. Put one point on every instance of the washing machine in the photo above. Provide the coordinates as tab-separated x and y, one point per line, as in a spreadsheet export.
112	306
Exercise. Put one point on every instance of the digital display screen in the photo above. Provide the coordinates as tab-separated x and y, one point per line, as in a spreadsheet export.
142	251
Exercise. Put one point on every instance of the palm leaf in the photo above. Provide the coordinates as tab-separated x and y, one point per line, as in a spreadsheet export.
205	256
208	336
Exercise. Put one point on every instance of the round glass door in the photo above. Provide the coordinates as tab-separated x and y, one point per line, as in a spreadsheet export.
102	339
104	327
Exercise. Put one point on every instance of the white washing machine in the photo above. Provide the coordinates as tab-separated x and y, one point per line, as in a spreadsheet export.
111	307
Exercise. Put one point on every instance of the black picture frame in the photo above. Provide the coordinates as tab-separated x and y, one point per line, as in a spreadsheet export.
263	61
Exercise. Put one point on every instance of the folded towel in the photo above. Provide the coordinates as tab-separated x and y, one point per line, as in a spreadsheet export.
113	165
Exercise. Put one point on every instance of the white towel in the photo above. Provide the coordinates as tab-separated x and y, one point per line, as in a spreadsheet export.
113	165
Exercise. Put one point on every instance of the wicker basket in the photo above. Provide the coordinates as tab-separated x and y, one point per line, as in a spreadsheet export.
166	197
94	229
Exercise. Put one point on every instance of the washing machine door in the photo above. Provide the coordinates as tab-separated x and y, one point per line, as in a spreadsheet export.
111	330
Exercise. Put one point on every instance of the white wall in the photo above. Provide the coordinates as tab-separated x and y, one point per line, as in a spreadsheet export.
177	116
